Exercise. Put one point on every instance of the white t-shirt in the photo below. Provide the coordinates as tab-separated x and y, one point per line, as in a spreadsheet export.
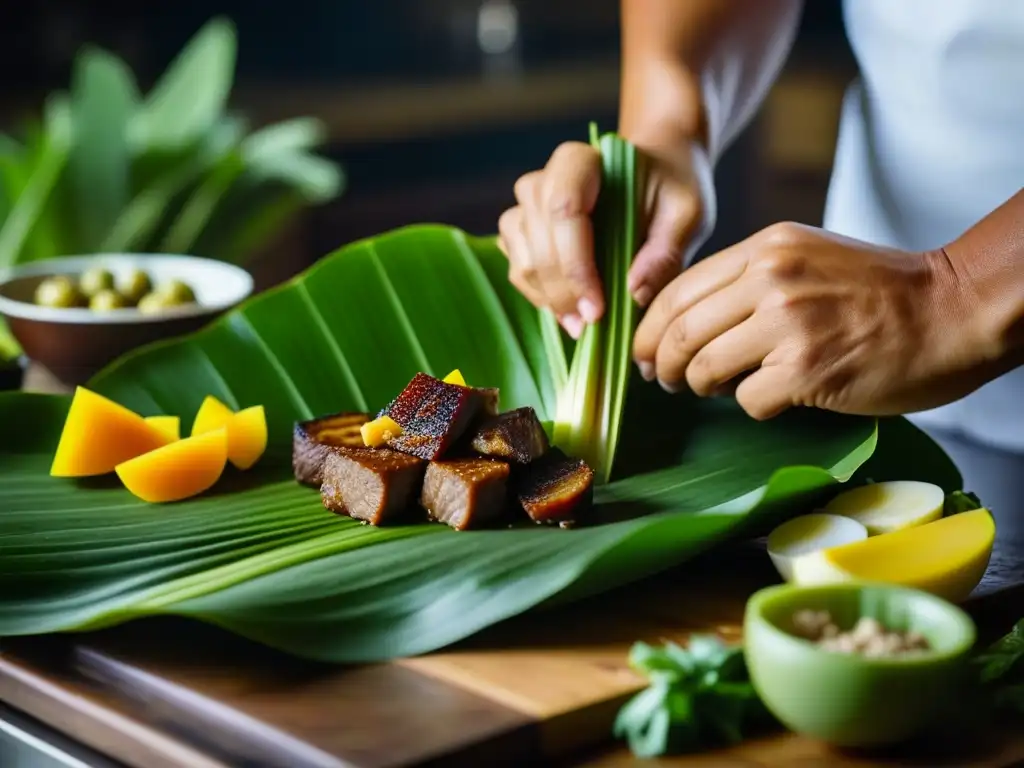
931	140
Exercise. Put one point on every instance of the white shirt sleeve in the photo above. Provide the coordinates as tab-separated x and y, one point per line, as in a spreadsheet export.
739	73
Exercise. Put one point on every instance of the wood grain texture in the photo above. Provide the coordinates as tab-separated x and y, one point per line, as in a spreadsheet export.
544	686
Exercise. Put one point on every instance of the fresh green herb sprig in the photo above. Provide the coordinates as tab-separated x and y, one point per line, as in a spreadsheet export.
1000	670
960	501
698	696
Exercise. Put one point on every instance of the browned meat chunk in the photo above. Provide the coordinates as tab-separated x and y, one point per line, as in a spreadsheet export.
465	493
376	485
513	436
311	439
433	415
555	488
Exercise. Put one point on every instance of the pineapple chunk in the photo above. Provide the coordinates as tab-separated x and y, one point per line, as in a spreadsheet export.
377	432
455	377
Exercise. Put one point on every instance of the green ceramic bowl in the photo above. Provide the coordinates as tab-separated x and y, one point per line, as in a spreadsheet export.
846	699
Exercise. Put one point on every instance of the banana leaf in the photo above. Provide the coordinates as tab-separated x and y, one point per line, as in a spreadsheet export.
192	94
104	96
258	554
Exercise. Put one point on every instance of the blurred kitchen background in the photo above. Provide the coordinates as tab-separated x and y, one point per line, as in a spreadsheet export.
434	107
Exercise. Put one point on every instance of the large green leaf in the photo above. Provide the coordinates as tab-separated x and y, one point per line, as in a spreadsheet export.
191	95
47	166
260	556
103	98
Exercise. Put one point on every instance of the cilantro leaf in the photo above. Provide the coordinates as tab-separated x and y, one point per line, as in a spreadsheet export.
697	696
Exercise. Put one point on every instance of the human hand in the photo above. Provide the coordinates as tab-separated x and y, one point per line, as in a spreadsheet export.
816	320
548	237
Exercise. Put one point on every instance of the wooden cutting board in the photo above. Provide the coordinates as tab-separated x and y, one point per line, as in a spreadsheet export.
543	687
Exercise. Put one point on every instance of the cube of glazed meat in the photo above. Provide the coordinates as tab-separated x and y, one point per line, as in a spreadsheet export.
311	440
513	436
375	485
433	415
465	493
556	488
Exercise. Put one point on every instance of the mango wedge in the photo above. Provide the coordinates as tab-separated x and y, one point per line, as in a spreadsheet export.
99	434
376	433
212	414
169	426
177	471
455	377
246	429
947	557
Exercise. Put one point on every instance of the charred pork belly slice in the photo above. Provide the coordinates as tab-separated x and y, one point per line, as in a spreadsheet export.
465	493
375	485
489	395
513	436
311	439
555	488
433	415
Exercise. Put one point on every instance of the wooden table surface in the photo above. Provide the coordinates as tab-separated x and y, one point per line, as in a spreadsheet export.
541	688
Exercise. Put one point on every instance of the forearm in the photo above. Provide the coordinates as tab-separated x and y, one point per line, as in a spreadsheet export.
988	261
696	70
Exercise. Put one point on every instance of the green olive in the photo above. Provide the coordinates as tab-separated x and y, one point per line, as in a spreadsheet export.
105	301
156	302
134	285
59	292
95	280
178	291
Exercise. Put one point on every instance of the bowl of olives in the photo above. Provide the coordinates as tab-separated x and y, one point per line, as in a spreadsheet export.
74	315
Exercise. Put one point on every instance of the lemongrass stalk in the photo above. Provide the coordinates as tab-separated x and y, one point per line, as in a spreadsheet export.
588	417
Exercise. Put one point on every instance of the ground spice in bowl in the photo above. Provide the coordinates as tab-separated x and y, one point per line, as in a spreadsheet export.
868	637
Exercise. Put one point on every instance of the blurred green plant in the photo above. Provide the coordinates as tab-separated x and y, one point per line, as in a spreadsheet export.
105	169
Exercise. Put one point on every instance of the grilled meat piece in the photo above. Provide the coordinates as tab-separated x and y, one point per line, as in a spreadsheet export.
513	436
489	395
433	415
311	439
555	488
465	493
375	485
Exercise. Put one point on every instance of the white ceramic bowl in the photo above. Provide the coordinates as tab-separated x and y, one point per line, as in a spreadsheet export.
75	343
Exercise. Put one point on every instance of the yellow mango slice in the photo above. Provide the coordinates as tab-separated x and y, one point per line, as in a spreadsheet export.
377	432
247	429
212	414
99	434
455	377
168	426
177	471
947	557
247	436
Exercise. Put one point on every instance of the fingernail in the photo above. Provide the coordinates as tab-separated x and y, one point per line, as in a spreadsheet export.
646	370
573	325
588	310
642	296
670	388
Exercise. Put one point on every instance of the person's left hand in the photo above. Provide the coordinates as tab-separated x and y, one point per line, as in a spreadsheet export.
815	320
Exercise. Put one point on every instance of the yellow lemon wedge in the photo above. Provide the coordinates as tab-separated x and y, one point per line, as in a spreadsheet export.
455	377
890	506
810	533
947	557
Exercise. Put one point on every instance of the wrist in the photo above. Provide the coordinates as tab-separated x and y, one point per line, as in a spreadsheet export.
981	320
661	107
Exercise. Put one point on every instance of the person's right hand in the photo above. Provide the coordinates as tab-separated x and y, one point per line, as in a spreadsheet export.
548	237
